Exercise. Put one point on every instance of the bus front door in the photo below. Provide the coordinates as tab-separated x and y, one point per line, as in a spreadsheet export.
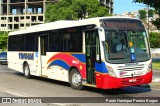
43	50
91	48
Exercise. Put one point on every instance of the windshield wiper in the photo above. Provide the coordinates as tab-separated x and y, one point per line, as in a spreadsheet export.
116	30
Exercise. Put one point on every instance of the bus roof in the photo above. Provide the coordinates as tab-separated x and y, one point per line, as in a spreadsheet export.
63	24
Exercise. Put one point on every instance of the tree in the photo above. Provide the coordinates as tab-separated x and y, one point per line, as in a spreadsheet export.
154	4
151	13
74	10
3	40
154	38
142	14
61	10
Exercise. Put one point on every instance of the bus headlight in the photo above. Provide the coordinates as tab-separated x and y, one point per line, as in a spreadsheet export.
111	72
149	68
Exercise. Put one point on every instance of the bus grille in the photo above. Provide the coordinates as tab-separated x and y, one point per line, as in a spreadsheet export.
131	69
126	82
128	71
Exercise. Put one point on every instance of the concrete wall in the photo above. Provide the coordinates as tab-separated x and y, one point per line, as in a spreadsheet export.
19	14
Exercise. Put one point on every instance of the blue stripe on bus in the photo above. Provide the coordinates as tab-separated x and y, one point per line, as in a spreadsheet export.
80	57
101	67
60	63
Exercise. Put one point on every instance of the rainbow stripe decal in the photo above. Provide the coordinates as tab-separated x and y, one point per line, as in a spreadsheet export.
66	60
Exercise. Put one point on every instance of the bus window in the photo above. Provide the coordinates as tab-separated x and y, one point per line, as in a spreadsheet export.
43	44
53	41
67	45
12	43
72	40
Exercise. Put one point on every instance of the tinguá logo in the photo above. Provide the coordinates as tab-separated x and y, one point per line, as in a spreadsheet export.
27	56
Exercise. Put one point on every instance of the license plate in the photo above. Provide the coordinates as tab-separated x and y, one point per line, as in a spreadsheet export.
132	80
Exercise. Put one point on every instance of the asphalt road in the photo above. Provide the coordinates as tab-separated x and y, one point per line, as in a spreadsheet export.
14	84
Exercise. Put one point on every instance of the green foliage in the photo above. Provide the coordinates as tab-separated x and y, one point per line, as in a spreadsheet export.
156	65
154	39
142	14
60	10
154	4
157	23
74	10
151	13
3	40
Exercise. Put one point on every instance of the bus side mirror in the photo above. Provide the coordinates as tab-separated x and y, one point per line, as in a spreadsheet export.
101	33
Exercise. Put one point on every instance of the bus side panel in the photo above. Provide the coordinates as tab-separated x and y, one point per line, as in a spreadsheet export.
100	71
64	61
79	61
34	64
57	73
55	67
14	62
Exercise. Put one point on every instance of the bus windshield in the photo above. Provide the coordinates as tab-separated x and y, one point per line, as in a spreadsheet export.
123	46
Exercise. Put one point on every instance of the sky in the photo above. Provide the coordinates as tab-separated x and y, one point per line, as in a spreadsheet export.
121	6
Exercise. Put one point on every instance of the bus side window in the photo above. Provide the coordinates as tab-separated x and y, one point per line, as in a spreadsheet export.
67	46
53	41
76	42
72	40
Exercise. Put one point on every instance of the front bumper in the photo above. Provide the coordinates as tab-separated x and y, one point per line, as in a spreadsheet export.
105	81
3	62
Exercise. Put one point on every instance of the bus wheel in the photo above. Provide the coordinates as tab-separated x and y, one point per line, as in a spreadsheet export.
75	79
26	71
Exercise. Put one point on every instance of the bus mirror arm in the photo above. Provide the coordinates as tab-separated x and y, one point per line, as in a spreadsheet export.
98	58
101	33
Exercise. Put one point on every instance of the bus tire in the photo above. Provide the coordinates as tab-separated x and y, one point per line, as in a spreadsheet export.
26	71
75	79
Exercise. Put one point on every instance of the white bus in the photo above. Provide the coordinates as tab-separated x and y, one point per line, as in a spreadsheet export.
105	52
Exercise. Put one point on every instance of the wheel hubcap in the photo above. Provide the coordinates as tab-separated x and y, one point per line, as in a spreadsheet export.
76	79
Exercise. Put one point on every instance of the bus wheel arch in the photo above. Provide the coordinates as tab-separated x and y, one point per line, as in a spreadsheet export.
26	70
75	78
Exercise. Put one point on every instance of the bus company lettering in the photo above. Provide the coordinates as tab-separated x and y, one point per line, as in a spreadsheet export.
28	56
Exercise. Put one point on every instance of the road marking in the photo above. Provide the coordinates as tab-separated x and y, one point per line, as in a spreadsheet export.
156	80
59	104
16	94
2	71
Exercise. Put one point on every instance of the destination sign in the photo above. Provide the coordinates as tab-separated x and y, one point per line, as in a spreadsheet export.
130	24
